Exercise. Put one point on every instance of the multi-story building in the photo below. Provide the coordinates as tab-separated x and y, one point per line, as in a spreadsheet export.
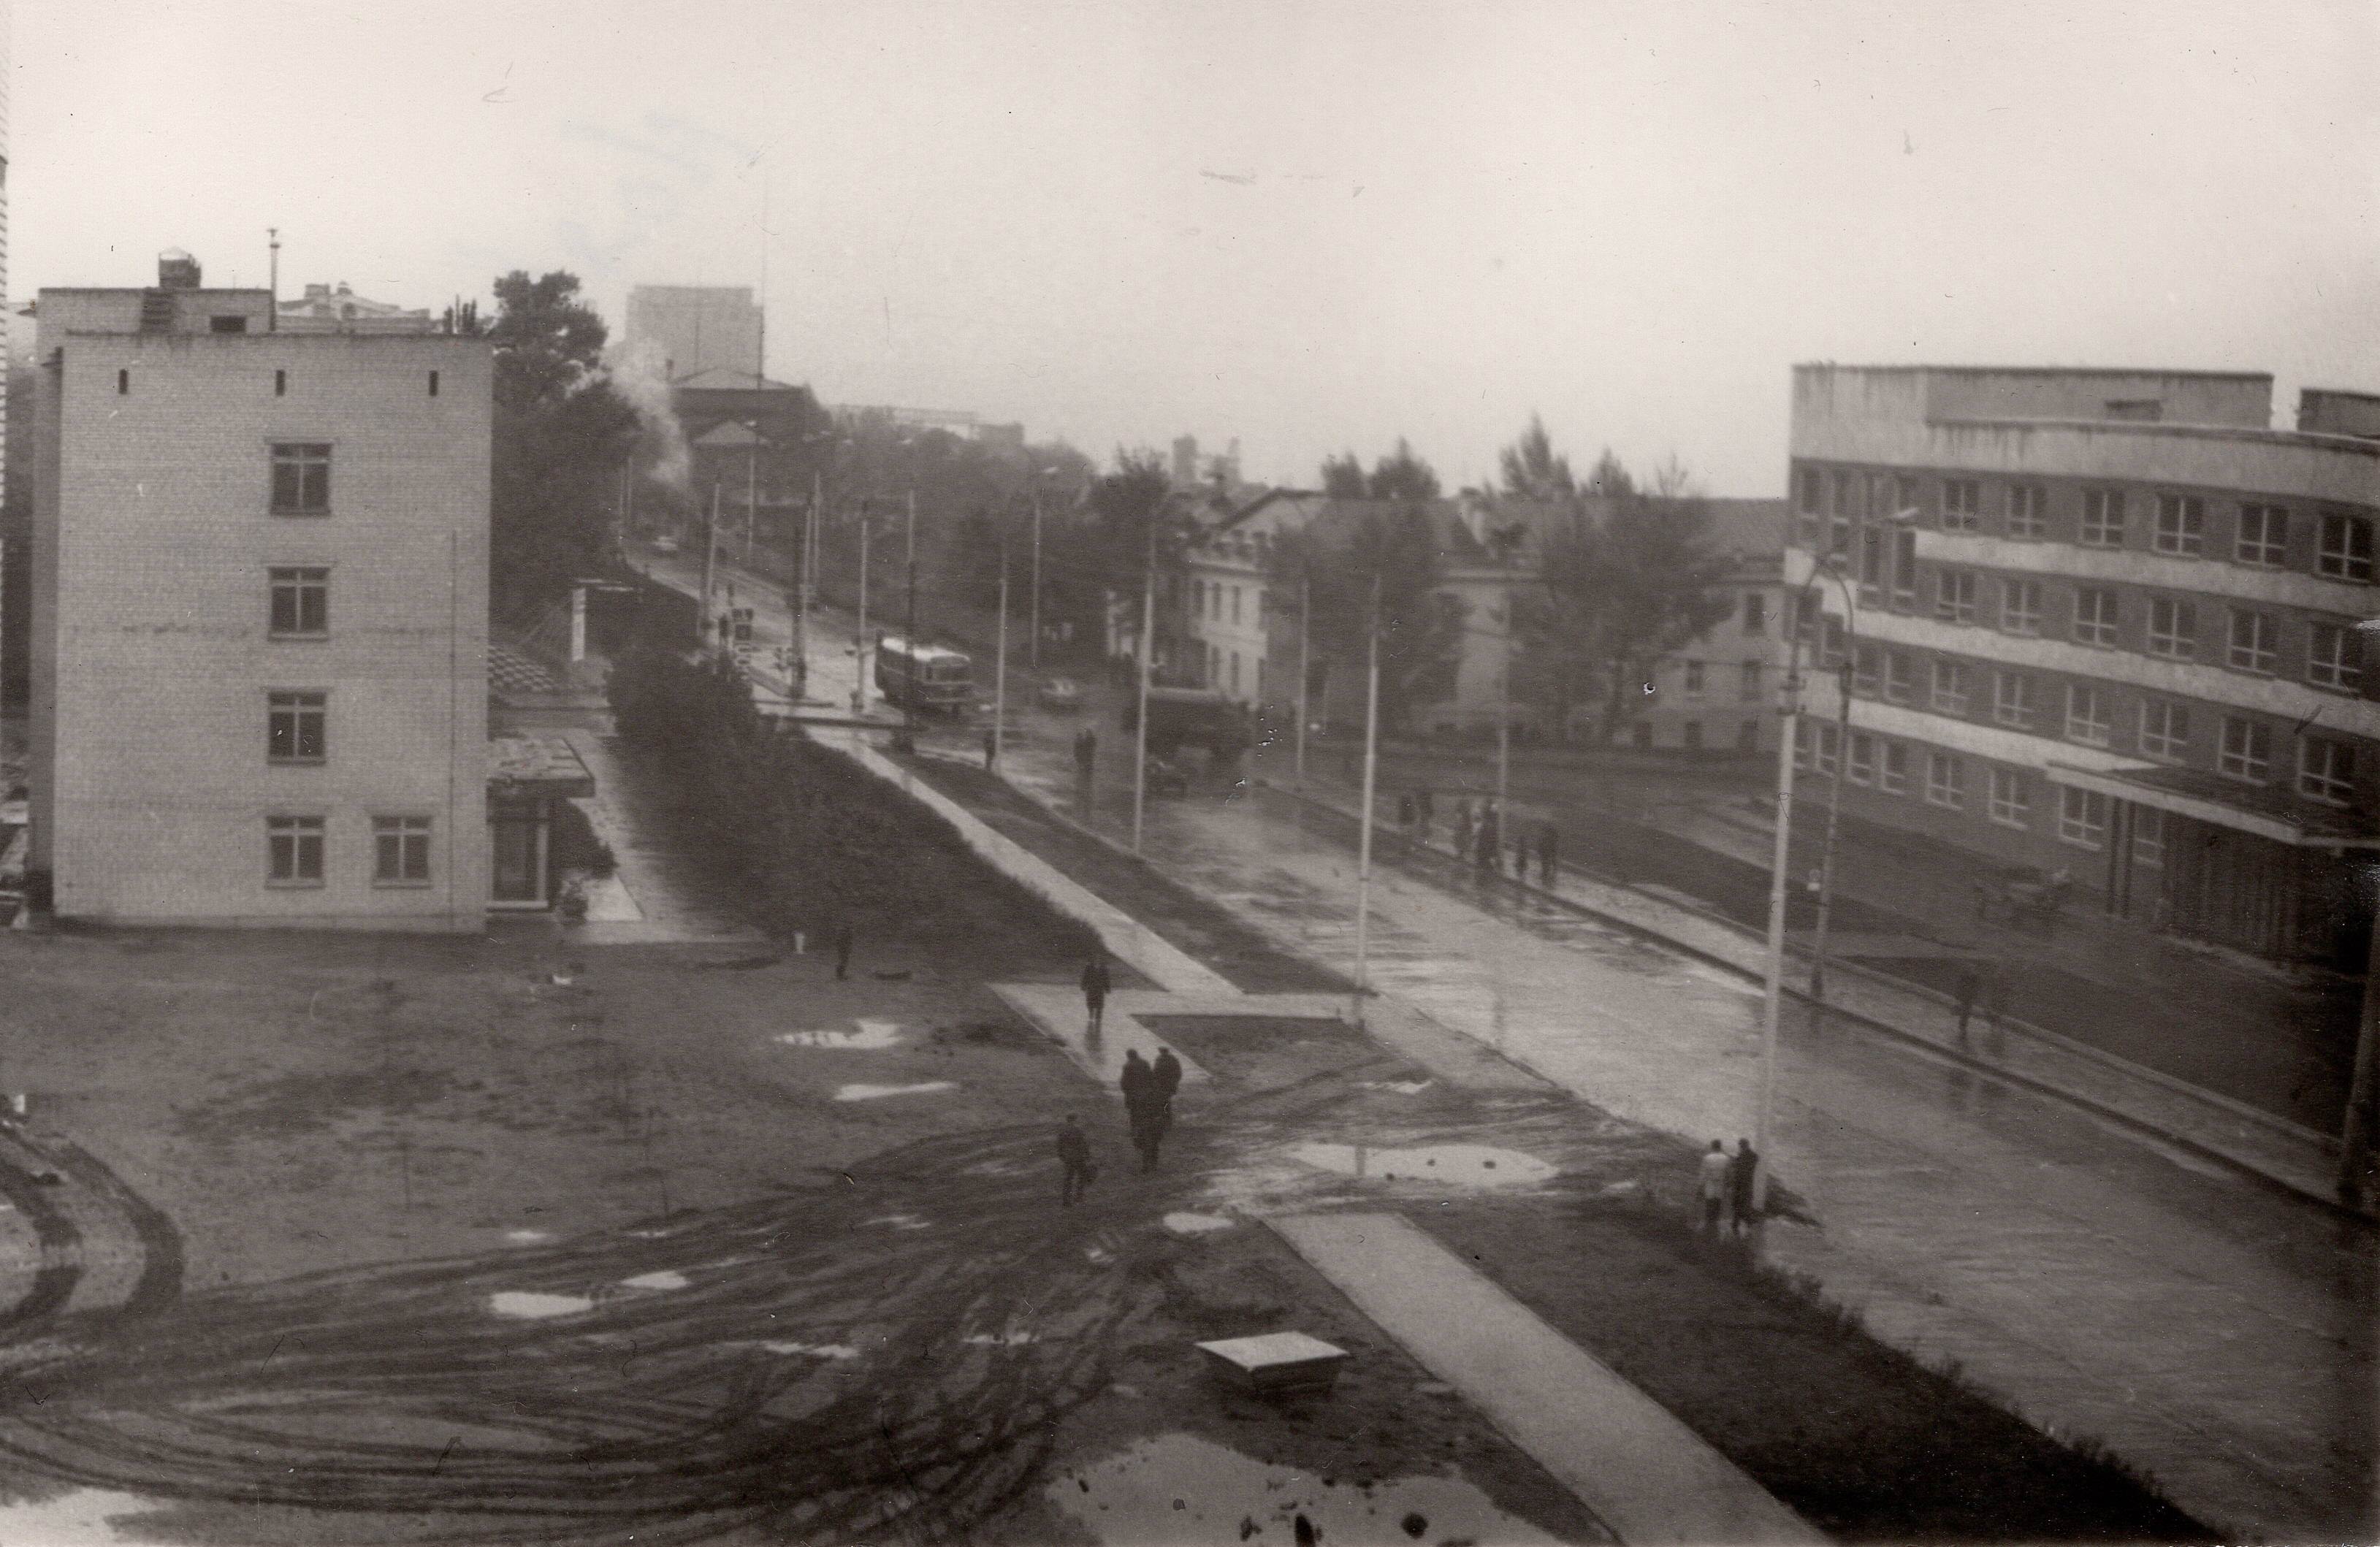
685	330
2105	623
260	623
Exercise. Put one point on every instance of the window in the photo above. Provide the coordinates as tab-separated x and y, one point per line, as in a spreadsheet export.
226	325
1945	781
1867	670
294	731
1949	687
2181	524
2165	730
2010	802
301	480
1892	774
1959	504
2094	616
2012	699
1859	765
2255	642
1748	681
1871	564
2148	835
1693	679
2086	715
1756	612
294	847
2247	750
2082	817
1954	595
2020	606
1838	526
433	384
2102	518
2263	535
1235	605
2173	628
281	383
2346	552
2028	510
1830	747
1899	678
1839	643
1235	660
1904	569
123	383
1815	743
2333	658
2327	770
1807	498
401	851
301	603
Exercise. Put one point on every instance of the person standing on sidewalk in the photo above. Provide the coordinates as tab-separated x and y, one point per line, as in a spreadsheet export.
1076	1171
1168	1073
1139	1084
1743	1187
1095	990
842	940
1715	1171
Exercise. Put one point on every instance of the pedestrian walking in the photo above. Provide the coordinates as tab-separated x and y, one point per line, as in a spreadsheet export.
842	940
1095	990
1076	1171
1139	1084
1743	1187
1549	846
1714	1184
1167	1081
990	746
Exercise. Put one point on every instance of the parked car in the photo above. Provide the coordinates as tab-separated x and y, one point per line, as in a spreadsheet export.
1060	693
1166	779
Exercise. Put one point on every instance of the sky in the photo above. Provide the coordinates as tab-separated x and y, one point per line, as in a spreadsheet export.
1310	226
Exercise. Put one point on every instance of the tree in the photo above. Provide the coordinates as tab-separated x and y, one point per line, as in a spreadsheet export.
1381	569
1401	474
1343	477
562	435
1534	470
1609	478
1616	593
1135	527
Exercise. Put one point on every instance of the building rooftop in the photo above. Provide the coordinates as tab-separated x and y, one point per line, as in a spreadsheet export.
721	378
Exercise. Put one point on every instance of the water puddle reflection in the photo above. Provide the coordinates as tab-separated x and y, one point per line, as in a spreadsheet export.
1450	1165
665	1279
535	1306
1181	1487
815	1350
877	1093
871	1036
1197	1224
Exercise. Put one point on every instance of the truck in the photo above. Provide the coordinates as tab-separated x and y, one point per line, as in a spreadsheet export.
1180	716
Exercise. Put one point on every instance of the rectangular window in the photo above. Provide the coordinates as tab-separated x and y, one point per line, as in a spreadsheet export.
1949	687
2173	628
1899	678
294	851
2028	510
1838	523
2010	802
301	480
1809	499
2148	835
2012	699
294	728
2082	817
1892	773
1830	747
2020	606
301	603
1839	643
1235	606
2263	535
2094	616
2086	715
2327	770
1756	612
2334	657
1748	681
1805	736
2346	551
2247	750
401	851
1693	679
226	325
1860	767
1904	569
1945	781
2255	642
281	383
433	384
1954	595
1871	564
2165	730
2181	524
1961	504
1866	670
2102	518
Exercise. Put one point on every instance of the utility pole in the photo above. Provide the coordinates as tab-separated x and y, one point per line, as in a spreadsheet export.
751	489
1504	827
272	243
909	697
1363	839
1834	821
1305	666
1773	984
1000	659
1034	647
859	644
710	558
1140	720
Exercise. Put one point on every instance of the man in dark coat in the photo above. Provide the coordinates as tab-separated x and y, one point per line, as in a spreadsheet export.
1139	1082
1743	1184
1167	1070
1075	1159
1095	990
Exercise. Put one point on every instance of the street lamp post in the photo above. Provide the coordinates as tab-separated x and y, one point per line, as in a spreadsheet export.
1363	839
1140	719
1000	662
1305	666
859	644
1834	797
909	697
1035	648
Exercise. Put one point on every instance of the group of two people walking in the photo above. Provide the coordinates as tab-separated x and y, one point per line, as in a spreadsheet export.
1731	1188
1149	1091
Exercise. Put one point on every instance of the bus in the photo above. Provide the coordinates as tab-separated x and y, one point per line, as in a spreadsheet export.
925	678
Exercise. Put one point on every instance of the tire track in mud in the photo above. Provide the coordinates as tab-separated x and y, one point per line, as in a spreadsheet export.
59	1239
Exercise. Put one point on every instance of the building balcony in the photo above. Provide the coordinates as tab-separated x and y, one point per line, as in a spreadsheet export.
1822	699
2118	566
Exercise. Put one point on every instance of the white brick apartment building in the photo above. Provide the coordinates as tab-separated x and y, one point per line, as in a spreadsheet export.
259	618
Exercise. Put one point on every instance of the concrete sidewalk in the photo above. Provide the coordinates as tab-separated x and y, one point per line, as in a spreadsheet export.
1647	1476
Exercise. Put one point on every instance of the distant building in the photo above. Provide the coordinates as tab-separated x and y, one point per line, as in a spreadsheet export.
686	329
1718	692
2103	621
757	440
328	308
260	623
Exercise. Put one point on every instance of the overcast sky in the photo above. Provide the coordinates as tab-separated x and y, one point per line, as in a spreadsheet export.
1310	226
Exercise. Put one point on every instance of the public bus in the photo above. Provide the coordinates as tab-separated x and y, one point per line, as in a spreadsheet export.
925	678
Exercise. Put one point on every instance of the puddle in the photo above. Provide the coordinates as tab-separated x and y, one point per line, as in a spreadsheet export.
1181	1487
874	1093
667	1278
529	1237
1197	1224
1403	1087
1014	1338
523	1302
899	1222
871	1036
815	1350
75	1518
1452	1165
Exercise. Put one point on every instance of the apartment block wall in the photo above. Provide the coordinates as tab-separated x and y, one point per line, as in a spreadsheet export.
152	540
